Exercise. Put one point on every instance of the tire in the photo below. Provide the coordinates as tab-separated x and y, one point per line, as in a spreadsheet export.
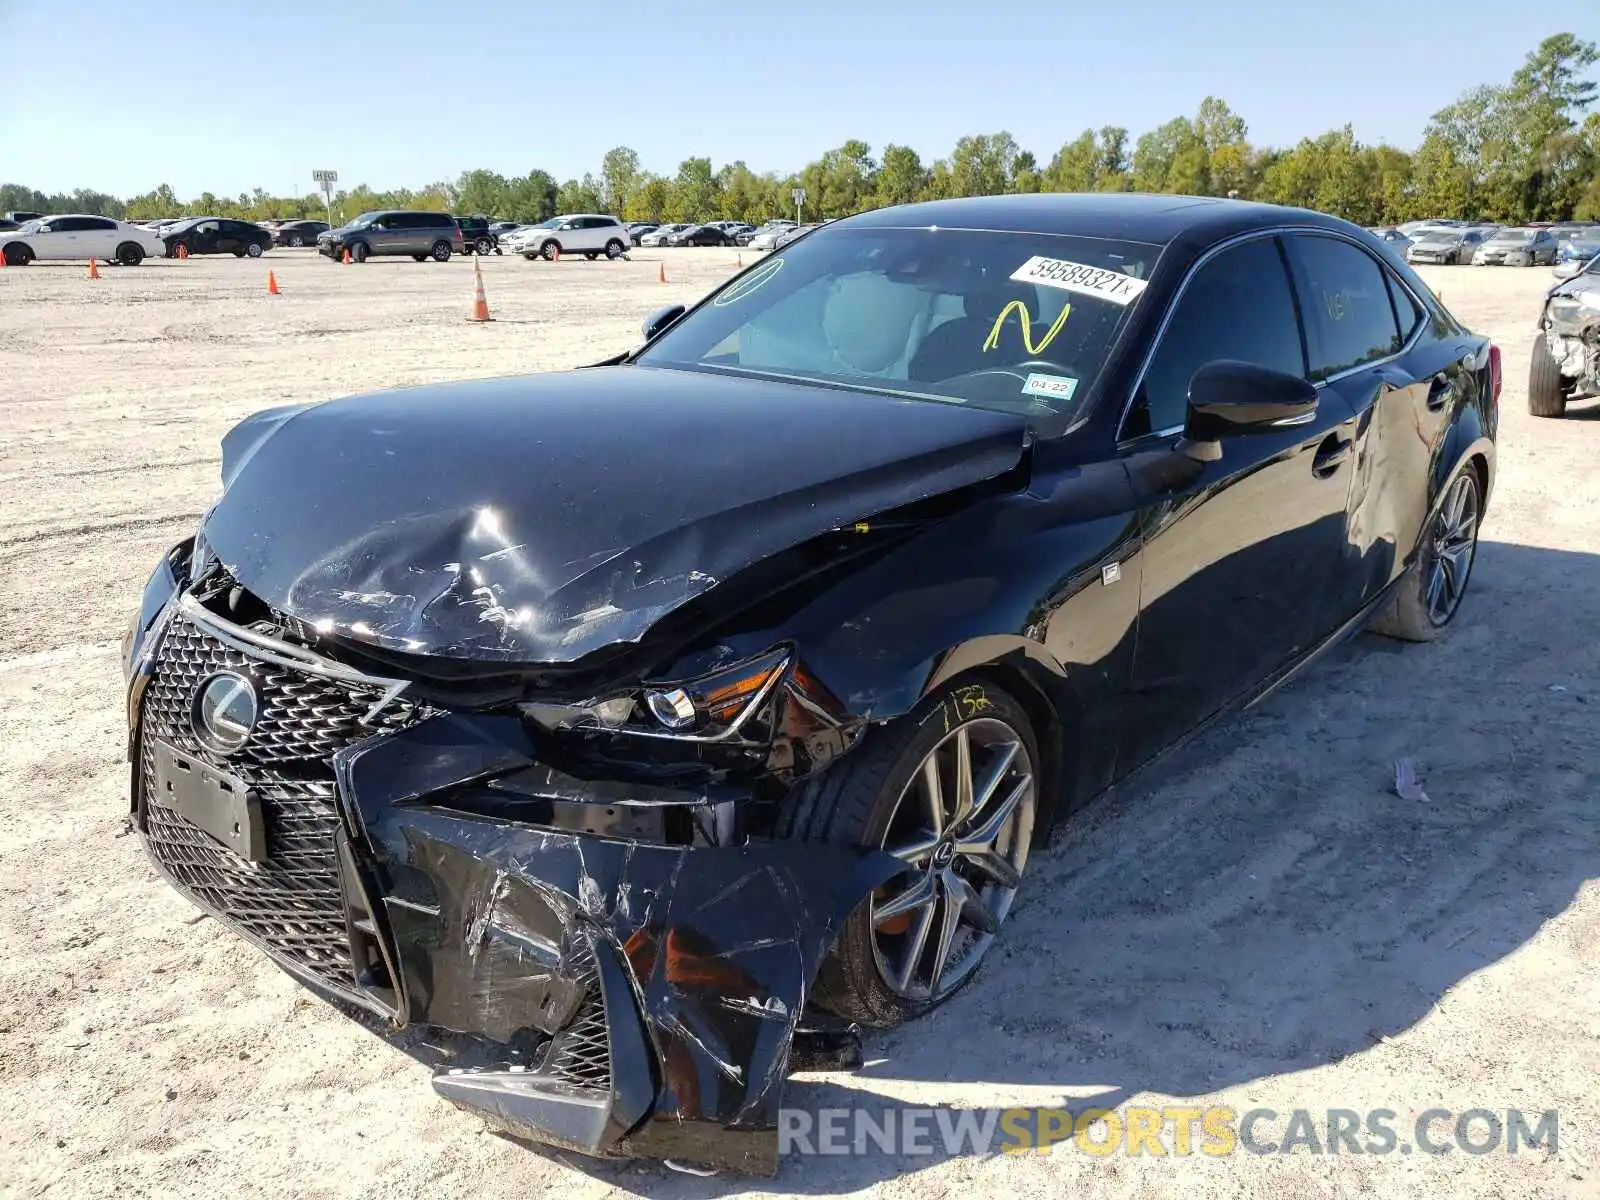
18	255
483	246
591	255
440	251
550	251
529	255
172	251
615	249
296	240
358	252
253	250
1413	613
876	796
238	253
130	254
1546	396
419	258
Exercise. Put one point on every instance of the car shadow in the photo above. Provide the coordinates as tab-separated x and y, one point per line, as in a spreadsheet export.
1262	901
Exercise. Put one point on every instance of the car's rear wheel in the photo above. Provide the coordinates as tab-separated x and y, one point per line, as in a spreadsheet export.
1429	595
440	251
130	254
358	252
952	791
1546	395
615	249
18	255
296	240
253	249
483	246
550	251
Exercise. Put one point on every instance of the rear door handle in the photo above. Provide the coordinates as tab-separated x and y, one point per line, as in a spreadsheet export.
1333	451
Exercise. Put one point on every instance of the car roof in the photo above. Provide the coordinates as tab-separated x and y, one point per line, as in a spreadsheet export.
62	216
1130	216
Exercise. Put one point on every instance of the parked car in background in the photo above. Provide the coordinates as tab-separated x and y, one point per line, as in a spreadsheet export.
1445	246
6	224
501	228
394	233
700	235
638	229
478	236
1565	364
588	234
1525	247
299	233
768	231
216	235
22	218
1393	238
79	236
1575	254
659	235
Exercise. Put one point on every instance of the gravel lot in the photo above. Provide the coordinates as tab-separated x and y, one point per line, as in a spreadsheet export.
1260	923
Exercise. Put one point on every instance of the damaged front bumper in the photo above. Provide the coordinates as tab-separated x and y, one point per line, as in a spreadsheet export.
567	973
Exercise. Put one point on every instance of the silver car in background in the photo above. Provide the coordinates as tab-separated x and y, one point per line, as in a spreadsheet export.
1517	248
1446	246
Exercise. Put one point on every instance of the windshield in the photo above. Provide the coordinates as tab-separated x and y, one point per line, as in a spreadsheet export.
1513	235
365	219
1019	322
30	226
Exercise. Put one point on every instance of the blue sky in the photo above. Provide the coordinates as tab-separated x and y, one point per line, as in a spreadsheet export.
228	96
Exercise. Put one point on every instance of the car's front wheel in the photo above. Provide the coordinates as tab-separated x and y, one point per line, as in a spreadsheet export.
952	791
550	250
296	240
1546	395
17	255
1429	594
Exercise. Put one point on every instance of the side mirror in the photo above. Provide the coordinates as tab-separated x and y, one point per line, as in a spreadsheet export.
1228	397
660	319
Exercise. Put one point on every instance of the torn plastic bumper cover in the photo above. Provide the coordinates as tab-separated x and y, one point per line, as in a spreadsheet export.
624	998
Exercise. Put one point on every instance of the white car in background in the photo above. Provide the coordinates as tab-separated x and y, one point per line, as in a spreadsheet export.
81	237
588	234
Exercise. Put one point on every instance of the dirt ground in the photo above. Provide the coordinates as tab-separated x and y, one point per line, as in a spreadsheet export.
1263	923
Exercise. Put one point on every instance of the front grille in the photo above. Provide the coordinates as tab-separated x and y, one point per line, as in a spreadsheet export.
290	903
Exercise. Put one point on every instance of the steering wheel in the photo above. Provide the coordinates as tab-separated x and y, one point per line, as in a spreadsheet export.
1021	370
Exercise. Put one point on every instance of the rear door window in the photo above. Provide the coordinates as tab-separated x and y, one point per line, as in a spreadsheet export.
1350	317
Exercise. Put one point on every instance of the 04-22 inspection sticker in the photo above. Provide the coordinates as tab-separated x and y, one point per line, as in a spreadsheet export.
1078	277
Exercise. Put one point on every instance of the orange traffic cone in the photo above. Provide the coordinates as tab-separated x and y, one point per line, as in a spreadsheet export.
94	271
183	251
480	306
347	256
2	257
272	285
557	258
663	275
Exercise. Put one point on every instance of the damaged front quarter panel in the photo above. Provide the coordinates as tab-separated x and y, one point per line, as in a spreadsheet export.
635	998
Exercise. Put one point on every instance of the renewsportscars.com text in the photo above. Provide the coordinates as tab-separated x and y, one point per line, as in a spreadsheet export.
1171	1129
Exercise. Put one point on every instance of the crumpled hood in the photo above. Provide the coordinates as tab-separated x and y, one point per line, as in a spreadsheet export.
536	519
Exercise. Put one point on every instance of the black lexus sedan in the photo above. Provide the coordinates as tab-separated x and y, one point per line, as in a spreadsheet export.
216	235
619	738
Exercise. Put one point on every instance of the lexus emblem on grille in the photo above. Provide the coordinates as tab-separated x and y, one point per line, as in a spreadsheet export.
225	711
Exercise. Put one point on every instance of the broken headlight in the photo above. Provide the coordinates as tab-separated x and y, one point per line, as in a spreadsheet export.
712	708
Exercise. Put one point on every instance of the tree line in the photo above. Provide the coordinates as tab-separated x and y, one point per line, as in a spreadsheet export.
1525	150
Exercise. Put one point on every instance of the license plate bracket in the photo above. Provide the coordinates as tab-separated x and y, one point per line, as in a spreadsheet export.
213	801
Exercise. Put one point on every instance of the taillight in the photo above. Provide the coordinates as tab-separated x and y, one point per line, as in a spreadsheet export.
1494	372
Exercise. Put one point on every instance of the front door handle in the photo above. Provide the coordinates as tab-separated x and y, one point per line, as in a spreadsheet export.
1333	451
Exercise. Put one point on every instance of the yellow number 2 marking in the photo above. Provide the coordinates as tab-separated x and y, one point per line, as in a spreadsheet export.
1021	310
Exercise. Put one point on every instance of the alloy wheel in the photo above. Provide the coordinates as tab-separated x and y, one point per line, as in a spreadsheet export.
1453	541
962	826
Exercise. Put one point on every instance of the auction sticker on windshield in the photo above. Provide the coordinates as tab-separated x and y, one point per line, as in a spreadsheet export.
1077	277
1051	387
